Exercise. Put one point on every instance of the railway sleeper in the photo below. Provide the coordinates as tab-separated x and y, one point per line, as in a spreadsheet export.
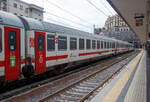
78	90
72	94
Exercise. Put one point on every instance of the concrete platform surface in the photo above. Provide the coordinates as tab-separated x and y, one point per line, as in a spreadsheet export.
130	85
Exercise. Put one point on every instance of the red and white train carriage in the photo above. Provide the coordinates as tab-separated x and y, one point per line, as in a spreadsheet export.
12	46
31	47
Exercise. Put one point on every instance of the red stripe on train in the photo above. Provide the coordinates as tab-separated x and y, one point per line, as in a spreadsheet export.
56	57
93	53
48	58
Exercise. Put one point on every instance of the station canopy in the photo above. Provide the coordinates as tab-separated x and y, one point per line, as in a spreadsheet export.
136	15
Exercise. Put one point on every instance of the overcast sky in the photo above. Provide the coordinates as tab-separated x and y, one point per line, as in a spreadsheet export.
81	14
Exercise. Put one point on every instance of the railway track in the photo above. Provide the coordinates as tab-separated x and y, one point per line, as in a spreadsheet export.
86	72
84	88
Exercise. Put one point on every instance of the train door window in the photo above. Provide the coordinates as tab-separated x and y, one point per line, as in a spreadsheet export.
12	41
62	43
81	44
102	45
0	40
93	44
50	42
40	42
73	43
88	44
98	44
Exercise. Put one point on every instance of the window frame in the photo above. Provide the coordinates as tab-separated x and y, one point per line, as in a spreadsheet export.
14	43
72	40
39	37
80	47
93	44
60	49
88	47
102	44
105	45
54	47
15	5
98	44
26	10
21	7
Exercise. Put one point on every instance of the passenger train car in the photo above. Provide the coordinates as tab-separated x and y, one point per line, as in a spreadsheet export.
30	47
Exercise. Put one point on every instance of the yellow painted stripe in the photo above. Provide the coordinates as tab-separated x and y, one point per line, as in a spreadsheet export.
114	93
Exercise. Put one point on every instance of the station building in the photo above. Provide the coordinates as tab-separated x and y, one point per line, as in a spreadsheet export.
116	23
22	8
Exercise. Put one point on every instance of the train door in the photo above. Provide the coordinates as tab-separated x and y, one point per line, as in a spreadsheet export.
40	52
12	53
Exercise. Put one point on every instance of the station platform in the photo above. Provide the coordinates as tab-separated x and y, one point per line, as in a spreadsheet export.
132	84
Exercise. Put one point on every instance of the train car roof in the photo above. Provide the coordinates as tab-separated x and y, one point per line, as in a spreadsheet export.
50	27
32	24
10	20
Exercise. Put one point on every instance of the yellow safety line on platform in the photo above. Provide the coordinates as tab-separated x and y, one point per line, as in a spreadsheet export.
114	93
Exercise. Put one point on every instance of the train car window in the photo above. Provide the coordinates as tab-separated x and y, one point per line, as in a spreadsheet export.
117	45
50	42
81	44
40	42
73	43
12	40
98	44
110	44
0	40
113	45
93	44
62	43
105	45
88	44
102	45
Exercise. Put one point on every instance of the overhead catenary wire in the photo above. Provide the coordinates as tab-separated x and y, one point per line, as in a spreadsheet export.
66	19
101	1
61	23
97	8
62	9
